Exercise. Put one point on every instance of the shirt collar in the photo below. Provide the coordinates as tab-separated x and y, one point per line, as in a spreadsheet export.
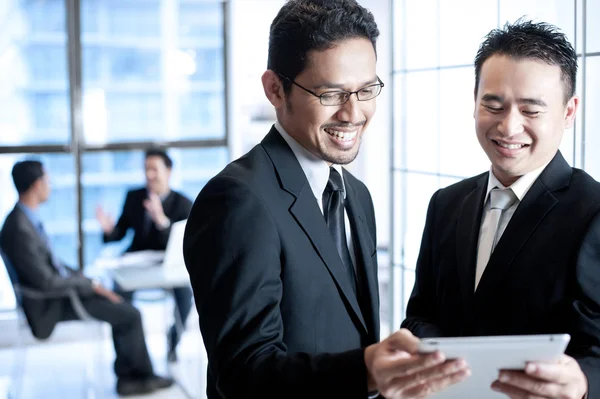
31	214
520	187
315	169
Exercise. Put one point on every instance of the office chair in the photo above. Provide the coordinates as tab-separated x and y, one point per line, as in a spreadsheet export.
22	292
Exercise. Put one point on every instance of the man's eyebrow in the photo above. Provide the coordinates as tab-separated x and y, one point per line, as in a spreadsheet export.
342	86
532	101
492	97
523	100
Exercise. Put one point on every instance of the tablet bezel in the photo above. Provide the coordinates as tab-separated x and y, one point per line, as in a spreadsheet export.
445	344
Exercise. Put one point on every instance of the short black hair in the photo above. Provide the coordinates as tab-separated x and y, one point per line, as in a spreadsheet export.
157	152
26	173
305	25
528	39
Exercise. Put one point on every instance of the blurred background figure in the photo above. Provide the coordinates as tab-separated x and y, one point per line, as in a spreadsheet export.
149	211
24	241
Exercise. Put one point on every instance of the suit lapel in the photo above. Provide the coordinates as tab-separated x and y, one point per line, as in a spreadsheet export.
307	214
366	246
35	235
467	238
536	204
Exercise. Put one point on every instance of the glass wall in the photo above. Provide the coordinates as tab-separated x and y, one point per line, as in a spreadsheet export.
152	70
435	42
34	88
152	73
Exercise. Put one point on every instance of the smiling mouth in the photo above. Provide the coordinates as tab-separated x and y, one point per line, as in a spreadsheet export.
342	135
509	146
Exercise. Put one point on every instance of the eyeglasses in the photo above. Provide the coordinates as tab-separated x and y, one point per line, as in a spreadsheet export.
340	97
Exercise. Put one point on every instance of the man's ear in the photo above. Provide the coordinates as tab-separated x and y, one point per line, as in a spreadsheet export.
571	111
273	88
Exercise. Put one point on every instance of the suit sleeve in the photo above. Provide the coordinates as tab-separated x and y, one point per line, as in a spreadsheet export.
124	222
180	211
232	253
34	269
585	309
420	311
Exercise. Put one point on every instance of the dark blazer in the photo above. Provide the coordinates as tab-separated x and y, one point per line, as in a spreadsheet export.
278	315
543	277
176	207
31	258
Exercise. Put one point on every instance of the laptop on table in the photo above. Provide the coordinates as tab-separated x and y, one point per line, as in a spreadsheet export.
169	273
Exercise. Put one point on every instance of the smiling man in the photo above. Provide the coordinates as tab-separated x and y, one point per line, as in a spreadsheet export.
516	250
281	245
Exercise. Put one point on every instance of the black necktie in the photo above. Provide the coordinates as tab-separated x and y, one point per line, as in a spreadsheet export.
333	210
146	226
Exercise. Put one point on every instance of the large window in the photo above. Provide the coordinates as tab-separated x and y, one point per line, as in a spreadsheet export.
153	70
33	79
435	43
152	73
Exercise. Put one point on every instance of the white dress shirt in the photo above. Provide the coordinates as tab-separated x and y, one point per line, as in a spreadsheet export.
316	171
520	189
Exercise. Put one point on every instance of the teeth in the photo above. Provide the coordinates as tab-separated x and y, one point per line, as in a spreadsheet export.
510	146
344	136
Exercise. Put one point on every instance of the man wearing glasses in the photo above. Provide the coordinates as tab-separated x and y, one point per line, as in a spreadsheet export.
281	245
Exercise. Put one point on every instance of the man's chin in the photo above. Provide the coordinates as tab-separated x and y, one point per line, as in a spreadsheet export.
343	158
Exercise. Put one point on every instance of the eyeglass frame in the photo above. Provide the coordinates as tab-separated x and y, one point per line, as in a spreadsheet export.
349	93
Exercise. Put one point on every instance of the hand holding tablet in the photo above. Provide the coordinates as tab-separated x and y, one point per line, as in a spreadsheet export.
486	356
397	371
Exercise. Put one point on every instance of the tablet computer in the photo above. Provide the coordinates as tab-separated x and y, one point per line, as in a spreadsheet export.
487	355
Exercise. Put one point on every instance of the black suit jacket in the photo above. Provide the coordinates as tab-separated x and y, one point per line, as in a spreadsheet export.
543	277
32	260
278	314
176	207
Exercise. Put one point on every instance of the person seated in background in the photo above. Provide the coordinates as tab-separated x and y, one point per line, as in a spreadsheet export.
150	211
27	247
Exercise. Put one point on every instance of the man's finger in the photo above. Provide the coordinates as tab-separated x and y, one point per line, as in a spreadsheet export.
529	384
412	365
551	372
436	385
439	373
513	392
403	340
